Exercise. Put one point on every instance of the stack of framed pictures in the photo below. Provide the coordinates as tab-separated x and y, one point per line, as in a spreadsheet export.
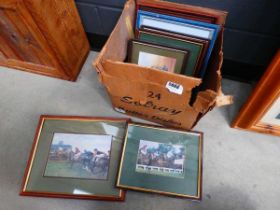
99	158
171	41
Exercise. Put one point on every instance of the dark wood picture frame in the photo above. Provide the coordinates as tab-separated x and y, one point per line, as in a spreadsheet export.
194	12
42	119
261	101
200	165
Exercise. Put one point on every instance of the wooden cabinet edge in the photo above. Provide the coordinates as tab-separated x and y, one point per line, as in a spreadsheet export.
268	86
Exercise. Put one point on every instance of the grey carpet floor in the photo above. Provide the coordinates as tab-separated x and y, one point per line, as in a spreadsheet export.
241	170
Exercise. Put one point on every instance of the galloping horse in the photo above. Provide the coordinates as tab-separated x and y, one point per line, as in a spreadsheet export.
157	160
99	165
90	163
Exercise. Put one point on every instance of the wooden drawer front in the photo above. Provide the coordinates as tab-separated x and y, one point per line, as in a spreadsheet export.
17	42
21	43
44	37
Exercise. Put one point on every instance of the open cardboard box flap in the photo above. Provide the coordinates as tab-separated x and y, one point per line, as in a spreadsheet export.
143	92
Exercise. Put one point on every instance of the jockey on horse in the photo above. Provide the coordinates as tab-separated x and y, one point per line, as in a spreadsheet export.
87	157
98	155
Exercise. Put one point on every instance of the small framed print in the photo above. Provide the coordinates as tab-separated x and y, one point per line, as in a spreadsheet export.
164	161
157	56
75	157
261	112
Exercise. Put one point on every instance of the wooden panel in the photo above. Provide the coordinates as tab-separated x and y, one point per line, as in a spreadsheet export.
43	37
20	43
16	33
6	50
61	26
2	56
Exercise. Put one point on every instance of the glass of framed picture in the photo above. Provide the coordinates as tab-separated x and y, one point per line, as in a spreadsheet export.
157	56
261	112
75	157
161	160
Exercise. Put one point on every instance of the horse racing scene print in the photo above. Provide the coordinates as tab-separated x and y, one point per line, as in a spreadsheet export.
161	159
84	156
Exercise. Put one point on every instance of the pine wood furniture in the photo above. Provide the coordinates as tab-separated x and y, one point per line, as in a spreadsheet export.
43	37
264	99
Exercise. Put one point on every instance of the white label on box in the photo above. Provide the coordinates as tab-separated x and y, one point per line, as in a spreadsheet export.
174	87
120	110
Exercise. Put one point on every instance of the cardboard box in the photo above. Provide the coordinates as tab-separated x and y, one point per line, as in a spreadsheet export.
156	95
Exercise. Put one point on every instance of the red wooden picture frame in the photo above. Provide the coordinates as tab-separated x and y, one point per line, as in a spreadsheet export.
24	192
182	10
261	101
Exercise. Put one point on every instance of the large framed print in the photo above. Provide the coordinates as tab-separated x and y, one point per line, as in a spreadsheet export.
184	10
206	19
160	160
197	47
158	57
75	157
261	112
181	26
176	25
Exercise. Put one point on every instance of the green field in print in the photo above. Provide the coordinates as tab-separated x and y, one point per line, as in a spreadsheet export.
63	168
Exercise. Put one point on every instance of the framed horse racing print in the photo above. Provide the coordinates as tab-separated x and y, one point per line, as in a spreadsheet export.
75	157
261	112
77	149
160	160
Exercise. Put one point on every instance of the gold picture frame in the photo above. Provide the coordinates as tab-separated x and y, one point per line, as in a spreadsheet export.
187	186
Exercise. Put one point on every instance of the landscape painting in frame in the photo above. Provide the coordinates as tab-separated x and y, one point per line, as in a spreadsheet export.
272	116
157	61
161	159
83	156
